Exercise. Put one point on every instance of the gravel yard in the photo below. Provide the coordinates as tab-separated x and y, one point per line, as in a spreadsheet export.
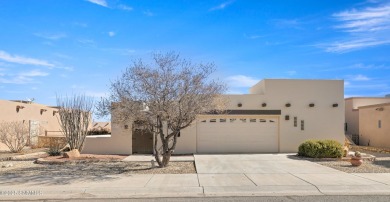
380	165
5	154
28	168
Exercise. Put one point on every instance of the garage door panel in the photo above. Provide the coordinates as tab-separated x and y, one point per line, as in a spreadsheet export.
238	136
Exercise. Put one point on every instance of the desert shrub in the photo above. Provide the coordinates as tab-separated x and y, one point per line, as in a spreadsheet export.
320	149
54	144
14	134
52	151
98	131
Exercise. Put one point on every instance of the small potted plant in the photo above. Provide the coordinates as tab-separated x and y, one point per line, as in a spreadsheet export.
356	160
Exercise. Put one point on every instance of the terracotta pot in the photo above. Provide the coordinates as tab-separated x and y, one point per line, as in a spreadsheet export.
356	161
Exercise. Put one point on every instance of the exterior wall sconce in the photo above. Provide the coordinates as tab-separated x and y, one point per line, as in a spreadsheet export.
287	117
43	110
311	105
264	104
239	105
19	107
335	105
288	105
379	109
55	112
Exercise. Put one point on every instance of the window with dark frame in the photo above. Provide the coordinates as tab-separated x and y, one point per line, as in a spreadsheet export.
379	124
295	121
302	125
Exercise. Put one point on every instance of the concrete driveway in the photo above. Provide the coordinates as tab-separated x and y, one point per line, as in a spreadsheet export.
274	173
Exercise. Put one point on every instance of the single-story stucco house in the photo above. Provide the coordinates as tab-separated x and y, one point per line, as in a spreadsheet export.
38	117
276	116
366	120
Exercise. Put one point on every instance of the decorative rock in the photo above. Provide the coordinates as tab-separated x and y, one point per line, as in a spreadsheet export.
7	165
72	154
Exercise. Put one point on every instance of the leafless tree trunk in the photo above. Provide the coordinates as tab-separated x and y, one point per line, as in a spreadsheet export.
170	92
14	134
75	118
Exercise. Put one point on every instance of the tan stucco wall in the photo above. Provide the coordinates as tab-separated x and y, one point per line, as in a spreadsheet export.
352	111
119	142
30	112
320	122
368	126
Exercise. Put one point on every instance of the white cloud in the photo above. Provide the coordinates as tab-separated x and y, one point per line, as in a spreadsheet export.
22	77
124	7
99	2
148	13
51	36
365	20
365	28
286	23
253	36
33	73
111	33
291	72
221	6
241	81
358	77
351	45
23	60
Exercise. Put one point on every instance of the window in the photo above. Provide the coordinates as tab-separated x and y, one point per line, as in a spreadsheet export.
345	126
263	120
126	126
295	121
243	120
252	120
302	125
379	124
213	120
222	120
271	121
232	120
203	121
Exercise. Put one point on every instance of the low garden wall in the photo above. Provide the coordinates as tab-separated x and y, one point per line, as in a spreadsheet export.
50	141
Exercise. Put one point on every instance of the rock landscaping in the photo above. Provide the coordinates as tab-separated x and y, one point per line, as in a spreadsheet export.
375	161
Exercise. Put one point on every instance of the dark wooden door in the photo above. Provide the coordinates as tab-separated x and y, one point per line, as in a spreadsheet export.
142	142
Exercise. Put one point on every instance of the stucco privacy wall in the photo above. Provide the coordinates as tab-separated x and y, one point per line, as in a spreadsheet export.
352	113
371	131
30	112
119	142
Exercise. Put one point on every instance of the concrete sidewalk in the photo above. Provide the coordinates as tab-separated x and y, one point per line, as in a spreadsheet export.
218	175
148	158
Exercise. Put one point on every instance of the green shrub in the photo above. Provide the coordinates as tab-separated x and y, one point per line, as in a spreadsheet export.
54	152
321	149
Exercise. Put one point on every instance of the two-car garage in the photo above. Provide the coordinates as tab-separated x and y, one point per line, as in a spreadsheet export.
237	134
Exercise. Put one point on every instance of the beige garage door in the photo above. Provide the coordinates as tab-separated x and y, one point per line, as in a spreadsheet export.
237	135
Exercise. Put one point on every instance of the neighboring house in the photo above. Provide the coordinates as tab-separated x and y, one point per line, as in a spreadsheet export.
352	114
276	116
40	118
374	125
101	126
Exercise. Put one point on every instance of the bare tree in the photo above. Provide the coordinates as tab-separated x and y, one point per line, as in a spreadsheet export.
170	92
74	118
14	135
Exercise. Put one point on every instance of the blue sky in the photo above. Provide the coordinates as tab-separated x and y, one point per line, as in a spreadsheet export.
61	47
